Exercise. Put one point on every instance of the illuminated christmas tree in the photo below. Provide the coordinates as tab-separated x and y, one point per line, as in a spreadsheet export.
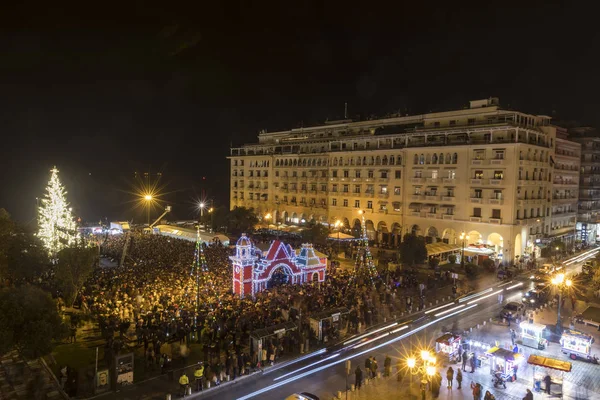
57	228
364	268
200	272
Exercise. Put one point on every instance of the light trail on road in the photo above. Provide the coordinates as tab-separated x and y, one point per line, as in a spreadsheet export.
369	333
297	360
472	296
307	373
485	297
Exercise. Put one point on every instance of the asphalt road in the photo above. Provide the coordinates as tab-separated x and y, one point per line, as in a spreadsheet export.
324	374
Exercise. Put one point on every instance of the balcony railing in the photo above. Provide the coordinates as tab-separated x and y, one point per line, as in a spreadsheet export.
448	198
477	200
497	161
478	162
495	201
496	181
475	219
417	180
495	220
476	181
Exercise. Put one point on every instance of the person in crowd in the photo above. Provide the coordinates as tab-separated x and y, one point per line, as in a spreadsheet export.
358	375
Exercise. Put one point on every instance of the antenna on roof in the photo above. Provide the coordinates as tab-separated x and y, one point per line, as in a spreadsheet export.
345	110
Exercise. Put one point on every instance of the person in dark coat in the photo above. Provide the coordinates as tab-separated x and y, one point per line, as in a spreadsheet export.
358	374
459	378
465	358
548	382
387	366
450	376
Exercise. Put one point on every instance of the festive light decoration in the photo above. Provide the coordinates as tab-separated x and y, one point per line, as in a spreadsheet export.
57	228
200	271
364	268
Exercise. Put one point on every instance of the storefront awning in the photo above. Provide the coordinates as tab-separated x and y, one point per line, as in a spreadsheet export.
440	247
552	363
476	251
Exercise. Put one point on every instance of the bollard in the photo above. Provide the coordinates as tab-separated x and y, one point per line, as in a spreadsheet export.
352	387
430	304
168	397
437	301
306	346
301	348
477	327
339	394
483	323
384	319
188	391
378	374
471	329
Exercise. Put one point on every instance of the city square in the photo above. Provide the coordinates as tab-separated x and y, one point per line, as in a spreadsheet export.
300	201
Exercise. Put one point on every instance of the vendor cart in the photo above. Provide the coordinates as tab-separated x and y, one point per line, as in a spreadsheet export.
548	370
503	361
532	335
578	345
448	346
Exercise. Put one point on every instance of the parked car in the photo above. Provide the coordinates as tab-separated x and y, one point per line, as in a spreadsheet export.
302	396
511	309
535	297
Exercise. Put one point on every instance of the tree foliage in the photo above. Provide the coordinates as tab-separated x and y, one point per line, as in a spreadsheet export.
316	234
22	255
29	321
75	266
237	221
413	250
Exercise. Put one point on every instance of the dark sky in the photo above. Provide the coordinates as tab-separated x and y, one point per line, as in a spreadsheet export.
103	92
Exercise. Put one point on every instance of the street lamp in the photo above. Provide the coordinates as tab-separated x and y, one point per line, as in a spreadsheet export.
201	206
463	237
427	369
148	199
337	225
267	218
560	282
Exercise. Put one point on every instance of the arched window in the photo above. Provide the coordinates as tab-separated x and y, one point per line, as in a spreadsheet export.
434	158
455	158
384	160
372	161
335	161
351	161
399	160
277	163
358	160
341	161
378	160
416	161
441	160
448	158
314	162
422	159
392	160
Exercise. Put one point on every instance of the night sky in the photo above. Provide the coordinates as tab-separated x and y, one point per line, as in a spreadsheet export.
104	92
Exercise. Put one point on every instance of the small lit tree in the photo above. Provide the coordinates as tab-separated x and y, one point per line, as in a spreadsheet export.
57	228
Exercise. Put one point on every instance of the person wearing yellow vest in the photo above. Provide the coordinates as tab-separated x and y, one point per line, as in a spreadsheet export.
199	375
183	383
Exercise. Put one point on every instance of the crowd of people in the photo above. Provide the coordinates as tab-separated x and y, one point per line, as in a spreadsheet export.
151	300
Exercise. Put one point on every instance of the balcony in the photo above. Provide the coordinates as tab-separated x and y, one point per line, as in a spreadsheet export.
369	194
432	180
382	211
346	194
449	180
448	216
478	162
476	181
448	198
476	200
417	180
417	197
521	222
359	179
383	195
496	182
432	215
495	201
432	197
334	179
369	179
475	219
383	179
496	221
415	213
497	161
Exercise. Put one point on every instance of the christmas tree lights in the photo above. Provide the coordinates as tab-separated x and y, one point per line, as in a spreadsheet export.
57	228
200	271
364	268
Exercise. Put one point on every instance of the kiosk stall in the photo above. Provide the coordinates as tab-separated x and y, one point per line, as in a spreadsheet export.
577	345
544	366
503	361
532	335
448	346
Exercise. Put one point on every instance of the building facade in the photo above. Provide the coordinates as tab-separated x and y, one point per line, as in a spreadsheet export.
483	170
588	213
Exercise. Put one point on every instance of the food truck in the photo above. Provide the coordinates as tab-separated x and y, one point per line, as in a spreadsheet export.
448	346
532	335
577	345
503	361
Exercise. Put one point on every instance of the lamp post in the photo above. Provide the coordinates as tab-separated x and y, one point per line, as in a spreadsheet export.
337	225
561	283
427	369
201	206
267	217
148	199
463	237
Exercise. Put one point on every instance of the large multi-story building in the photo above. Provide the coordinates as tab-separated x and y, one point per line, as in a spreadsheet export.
482	170
565	188
588	215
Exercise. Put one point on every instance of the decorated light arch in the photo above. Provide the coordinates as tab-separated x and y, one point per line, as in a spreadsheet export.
252	269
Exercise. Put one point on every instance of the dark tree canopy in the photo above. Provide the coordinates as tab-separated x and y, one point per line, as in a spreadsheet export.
29	321
75	266
316	234
413	250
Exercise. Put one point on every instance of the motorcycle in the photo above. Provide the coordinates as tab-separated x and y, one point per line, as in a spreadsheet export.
499	380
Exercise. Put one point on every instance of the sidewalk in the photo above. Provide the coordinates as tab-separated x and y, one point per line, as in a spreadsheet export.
581	383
